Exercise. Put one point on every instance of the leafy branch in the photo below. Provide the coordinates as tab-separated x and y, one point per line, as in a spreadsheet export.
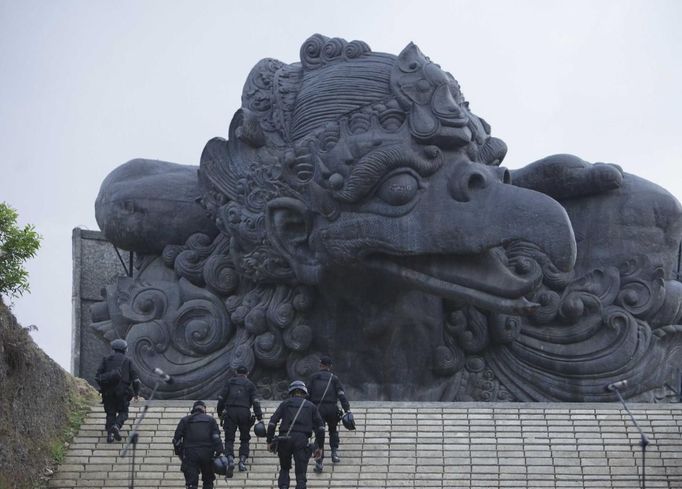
16	246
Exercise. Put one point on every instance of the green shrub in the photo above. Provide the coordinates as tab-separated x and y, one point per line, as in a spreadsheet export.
16	246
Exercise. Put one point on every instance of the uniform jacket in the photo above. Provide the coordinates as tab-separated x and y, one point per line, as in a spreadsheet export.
130	379
198	430
318	383
307	422
239	392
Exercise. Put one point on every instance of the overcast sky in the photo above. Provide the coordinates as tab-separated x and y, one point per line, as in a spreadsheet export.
88	85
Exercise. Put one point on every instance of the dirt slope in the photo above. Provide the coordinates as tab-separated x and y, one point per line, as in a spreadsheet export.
41	405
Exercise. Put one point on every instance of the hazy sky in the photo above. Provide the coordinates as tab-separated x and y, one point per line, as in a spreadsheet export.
88	85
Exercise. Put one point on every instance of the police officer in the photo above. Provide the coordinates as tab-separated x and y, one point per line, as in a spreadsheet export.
300	419
234	409
197	441
325	391
118	382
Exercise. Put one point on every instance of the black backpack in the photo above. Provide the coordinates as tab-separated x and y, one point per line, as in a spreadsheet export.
111	378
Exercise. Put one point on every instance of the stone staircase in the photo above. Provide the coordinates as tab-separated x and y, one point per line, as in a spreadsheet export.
399	444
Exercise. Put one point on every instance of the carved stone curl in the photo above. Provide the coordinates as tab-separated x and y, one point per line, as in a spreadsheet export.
358	208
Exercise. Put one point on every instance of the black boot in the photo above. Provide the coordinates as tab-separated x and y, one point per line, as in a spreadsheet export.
230	466
335	456
242	463
116	432
318	466
110	437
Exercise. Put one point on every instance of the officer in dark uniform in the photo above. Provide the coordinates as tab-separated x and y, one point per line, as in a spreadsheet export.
325	391
234	410
300	419
118	382
197	442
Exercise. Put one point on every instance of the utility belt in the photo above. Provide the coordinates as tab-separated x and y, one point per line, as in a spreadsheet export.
286	437
228	406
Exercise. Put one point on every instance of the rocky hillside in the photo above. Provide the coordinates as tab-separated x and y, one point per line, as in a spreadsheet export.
41	407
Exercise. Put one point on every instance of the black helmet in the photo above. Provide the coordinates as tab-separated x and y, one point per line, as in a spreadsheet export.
259	429
298	385
119	345
348	421
198	404
220	465
326	360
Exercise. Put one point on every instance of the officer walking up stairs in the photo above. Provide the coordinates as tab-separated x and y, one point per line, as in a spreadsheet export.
197	442
234	410
299	419
325	391
118	383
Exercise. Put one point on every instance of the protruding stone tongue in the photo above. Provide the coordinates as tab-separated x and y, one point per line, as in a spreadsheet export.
484	272
440	285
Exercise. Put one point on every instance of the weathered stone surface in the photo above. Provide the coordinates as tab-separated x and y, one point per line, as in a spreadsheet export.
136	193
362	211
95	264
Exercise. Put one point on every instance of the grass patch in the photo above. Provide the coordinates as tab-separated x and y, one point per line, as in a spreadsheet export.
80	400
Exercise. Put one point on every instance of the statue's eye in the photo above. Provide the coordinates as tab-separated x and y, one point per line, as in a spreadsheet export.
398	189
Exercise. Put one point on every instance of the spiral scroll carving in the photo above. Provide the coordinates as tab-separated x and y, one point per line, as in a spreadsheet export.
220	275
201	327
145	305
270	350
357	207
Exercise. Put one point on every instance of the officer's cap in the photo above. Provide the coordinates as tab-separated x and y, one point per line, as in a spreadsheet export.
198	403
119	345
242	370
326	360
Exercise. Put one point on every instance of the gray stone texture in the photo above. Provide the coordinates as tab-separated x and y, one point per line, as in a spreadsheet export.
95	264
358	208
415	445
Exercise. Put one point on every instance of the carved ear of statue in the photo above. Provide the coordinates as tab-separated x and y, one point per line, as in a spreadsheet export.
288	223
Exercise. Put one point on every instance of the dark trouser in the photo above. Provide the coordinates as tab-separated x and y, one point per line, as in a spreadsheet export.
296	446
237	417
330	416
116	408
195	460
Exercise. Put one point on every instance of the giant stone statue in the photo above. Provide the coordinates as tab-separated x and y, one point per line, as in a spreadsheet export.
358	208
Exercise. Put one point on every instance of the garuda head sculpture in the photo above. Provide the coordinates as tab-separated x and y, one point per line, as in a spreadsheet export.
358	208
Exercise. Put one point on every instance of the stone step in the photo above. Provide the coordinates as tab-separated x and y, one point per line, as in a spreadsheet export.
418	445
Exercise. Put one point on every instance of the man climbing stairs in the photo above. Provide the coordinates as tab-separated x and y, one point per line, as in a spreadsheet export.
418	445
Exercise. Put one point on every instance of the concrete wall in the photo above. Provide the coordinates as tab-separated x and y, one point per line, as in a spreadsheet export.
95	264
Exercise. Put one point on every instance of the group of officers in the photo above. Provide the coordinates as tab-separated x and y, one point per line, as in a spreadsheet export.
197	438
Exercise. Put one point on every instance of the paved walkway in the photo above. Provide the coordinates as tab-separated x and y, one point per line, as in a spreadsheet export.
398	445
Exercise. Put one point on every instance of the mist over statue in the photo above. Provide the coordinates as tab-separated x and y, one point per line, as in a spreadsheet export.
358	208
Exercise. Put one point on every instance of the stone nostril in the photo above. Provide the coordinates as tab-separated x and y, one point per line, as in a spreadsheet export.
463	186
504	174
476	181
